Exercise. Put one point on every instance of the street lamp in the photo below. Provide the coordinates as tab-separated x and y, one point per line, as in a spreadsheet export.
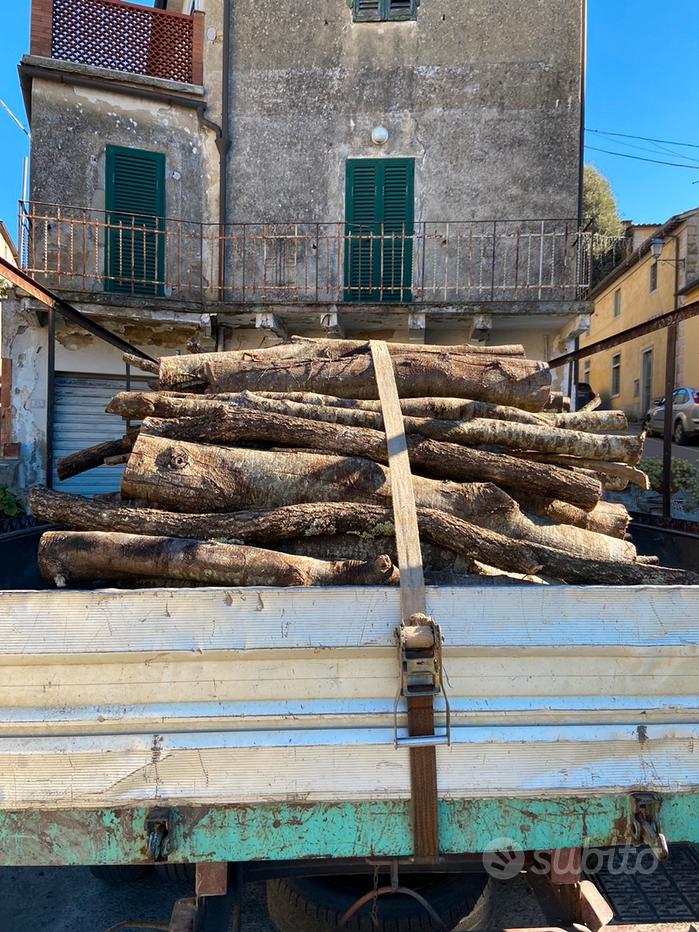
657	244
656	247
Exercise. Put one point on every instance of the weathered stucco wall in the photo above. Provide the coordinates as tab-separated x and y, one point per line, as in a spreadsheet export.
72	126
484	95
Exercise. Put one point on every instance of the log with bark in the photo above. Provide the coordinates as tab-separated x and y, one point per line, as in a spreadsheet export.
542	438
66	556
500	379
193	477
97	455
227	424
138	405
616	470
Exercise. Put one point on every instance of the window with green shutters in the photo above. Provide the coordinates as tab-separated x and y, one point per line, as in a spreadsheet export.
379	228
135	206
383	10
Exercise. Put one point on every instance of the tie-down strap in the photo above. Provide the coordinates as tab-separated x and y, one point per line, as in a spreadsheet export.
418	685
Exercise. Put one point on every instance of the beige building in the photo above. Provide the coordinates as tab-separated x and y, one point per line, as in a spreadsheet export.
631	376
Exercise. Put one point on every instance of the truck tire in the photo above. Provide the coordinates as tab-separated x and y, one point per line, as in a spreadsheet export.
116	875
315	904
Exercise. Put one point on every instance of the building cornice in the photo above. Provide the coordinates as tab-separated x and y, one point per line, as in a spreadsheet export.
174	93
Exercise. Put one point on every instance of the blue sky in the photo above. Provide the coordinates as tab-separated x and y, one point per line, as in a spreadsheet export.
641	81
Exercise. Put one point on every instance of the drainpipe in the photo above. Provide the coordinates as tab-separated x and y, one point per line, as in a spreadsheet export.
223	144
575	368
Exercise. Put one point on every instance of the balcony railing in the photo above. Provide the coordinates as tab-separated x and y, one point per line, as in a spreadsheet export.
120	36
77	249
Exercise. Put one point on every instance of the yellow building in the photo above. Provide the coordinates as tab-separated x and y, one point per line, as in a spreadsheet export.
630	377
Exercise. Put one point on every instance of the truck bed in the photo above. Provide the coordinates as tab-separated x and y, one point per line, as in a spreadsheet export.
261	720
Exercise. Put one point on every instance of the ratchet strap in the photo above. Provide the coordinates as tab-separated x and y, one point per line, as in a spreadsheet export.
418	687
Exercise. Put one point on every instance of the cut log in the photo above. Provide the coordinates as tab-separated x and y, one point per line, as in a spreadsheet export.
91	457
592	405
605	518
476	432
144	404
196	478
138	362
229	424
75	555
192	477
503	380
616	470
464	349
320	519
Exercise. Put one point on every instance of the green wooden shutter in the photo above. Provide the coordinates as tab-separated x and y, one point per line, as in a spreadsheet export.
379	229
135	205
381	10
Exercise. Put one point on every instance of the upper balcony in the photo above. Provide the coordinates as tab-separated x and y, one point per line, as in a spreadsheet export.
531	263
120	36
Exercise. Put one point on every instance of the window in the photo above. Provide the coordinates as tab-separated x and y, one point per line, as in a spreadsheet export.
586	371
382	10
379	213
616	375
636	388
135	202
617	303
653	276
681	397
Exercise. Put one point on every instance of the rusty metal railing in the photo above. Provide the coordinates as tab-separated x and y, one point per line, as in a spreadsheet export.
81	249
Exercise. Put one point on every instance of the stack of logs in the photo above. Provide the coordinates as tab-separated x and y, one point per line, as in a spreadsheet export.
269	467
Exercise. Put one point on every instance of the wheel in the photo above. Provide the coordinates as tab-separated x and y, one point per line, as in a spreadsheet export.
678	434
184	873
315	904
116	875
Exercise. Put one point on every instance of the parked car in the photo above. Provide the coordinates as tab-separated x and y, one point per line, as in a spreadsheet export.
685	416
583	395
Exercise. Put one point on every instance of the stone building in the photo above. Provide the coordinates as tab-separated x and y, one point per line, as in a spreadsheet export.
223	174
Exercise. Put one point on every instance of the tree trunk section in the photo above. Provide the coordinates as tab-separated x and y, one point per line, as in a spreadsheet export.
503	380
197	478
542	438
75	555
616	470
605	517
228	424
91	457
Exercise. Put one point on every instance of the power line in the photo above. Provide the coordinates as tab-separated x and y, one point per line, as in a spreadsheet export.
640	158
656	149
668	142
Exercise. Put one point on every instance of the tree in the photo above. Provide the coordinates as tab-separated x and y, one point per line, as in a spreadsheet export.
599	204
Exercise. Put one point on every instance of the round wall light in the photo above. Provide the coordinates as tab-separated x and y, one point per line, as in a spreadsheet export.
379	135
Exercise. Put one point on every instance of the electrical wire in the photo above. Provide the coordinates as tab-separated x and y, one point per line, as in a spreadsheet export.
668	142
640	158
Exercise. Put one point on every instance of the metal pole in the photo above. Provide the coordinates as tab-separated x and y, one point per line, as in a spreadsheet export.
670	360
670	368
50	385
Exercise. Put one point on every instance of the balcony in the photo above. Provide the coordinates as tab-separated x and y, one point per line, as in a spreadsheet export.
81	250
121	37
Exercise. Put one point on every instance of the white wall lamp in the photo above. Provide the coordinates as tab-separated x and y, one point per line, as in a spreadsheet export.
379	135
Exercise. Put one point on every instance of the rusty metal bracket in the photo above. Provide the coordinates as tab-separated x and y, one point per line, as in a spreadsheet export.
158	830
646	824
421	673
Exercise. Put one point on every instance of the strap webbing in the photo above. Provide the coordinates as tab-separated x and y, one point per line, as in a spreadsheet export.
423	761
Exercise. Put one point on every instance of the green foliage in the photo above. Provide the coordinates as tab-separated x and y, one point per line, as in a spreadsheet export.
599	204
10	505
684	476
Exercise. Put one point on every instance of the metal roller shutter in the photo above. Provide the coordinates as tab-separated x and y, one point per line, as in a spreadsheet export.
79	420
